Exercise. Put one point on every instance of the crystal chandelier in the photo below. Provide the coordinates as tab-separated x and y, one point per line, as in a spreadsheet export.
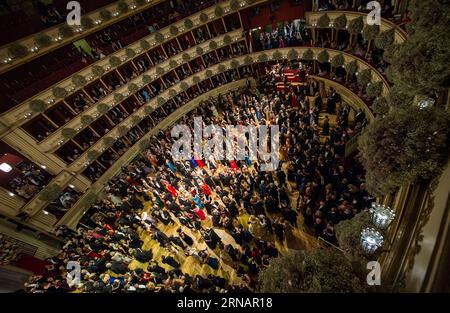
371	240
382	215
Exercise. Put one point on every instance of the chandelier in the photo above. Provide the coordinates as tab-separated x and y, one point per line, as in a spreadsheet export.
382	215
371	240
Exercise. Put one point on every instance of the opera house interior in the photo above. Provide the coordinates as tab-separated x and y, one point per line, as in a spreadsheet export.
224	146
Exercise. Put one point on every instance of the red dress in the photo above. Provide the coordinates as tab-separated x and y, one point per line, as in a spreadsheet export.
200	213
233	165
172	190
206	189
200	163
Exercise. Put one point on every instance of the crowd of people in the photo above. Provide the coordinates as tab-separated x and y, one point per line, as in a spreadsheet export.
227	215
32	180
292	33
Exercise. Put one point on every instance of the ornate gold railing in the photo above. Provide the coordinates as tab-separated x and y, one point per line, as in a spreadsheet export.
313	17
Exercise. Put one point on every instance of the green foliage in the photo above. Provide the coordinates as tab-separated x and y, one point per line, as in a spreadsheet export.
364	77
59	92
140	2
146	79
323	21
421	64
122	6
196	79
348	233
323	56
42	40
102	108
172	93
318	271
248	60
262	57
114	61
159	38
234	64
277	55
405	145
292	54
199	51
160	70
122	130
144	44
98	70
86	22
173	64
218	11
370	32
356	25
212	45
109	141
160	101
132	88
234	5
186	57
222	68
118	97
136	119
78	80
68	133
204	17
340	22
352	67
50	193
184	86
86	119
65	31
93	155
105	14
385	39
338	60
227	40
17	50
188	23
174	30
130	53
308	55
374	89
148	109
380	106
37	105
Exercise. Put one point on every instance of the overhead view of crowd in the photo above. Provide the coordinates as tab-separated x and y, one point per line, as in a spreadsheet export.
210	225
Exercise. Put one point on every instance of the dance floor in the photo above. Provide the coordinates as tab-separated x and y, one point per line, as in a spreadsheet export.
295	238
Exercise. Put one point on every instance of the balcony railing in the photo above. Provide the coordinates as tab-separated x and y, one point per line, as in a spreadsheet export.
8	62
313	17
21	113
55	140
